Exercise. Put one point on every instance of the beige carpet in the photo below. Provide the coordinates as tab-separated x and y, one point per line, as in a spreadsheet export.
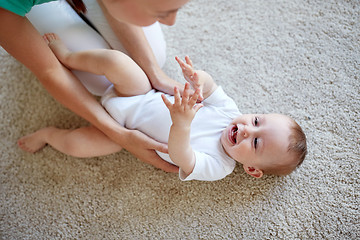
296	57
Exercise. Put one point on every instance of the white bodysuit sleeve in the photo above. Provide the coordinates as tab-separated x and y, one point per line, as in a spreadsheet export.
208	168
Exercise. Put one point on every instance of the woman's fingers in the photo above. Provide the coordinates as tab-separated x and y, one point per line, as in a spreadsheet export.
142	147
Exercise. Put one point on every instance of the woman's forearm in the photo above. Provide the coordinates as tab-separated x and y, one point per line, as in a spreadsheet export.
134	41
137	46
69	91
58	81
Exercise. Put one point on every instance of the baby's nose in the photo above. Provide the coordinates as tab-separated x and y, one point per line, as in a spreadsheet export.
245	133
243	130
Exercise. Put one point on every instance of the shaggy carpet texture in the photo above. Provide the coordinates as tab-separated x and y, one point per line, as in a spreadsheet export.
300	58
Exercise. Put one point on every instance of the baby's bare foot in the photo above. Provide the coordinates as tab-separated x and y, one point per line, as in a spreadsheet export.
34	142
56	45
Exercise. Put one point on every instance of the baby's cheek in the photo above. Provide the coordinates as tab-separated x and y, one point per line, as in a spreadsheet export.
244	149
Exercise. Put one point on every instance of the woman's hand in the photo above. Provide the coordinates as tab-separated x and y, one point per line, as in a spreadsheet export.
143	147
138	48
162	82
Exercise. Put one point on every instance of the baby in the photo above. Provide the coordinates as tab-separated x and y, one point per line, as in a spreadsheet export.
205	132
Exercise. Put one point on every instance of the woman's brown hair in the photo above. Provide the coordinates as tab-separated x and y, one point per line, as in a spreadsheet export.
78	5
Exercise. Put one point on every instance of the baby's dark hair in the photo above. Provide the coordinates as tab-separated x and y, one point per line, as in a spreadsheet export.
77	5
297	149
297	146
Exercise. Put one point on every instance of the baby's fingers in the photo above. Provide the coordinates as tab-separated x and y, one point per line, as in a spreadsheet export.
177	97
193	99
187	90
168	104
186	68
198	106
186	94
194	80
188	60
180	62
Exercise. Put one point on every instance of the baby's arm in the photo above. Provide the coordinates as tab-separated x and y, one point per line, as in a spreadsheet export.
182	113
197	78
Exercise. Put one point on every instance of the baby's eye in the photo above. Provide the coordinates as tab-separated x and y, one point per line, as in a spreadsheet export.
256	121
255	143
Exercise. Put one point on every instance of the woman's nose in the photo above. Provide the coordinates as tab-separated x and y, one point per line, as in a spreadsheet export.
169	20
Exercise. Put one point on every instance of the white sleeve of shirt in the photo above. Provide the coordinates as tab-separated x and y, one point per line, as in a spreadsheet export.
207	168
220	99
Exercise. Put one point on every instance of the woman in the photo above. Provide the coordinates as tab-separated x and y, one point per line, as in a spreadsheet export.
25	43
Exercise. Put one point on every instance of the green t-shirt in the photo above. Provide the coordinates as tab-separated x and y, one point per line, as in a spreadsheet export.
21	7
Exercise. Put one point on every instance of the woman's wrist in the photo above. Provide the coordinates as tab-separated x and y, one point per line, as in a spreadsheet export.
113	130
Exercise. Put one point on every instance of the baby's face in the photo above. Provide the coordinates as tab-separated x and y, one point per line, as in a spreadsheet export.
257	140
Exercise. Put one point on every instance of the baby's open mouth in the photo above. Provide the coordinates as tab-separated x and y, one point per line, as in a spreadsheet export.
233	134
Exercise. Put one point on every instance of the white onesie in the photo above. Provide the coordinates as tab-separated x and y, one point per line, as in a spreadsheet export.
148	114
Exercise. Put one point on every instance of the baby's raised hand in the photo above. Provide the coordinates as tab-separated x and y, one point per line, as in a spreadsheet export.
183	109
191	75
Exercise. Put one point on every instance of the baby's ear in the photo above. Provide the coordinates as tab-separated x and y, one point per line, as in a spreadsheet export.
257	173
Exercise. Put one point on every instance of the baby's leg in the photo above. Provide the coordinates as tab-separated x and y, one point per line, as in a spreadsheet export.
128	78
81	142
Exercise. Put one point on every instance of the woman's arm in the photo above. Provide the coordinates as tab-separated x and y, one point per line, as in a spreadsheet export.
134	41
24	43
